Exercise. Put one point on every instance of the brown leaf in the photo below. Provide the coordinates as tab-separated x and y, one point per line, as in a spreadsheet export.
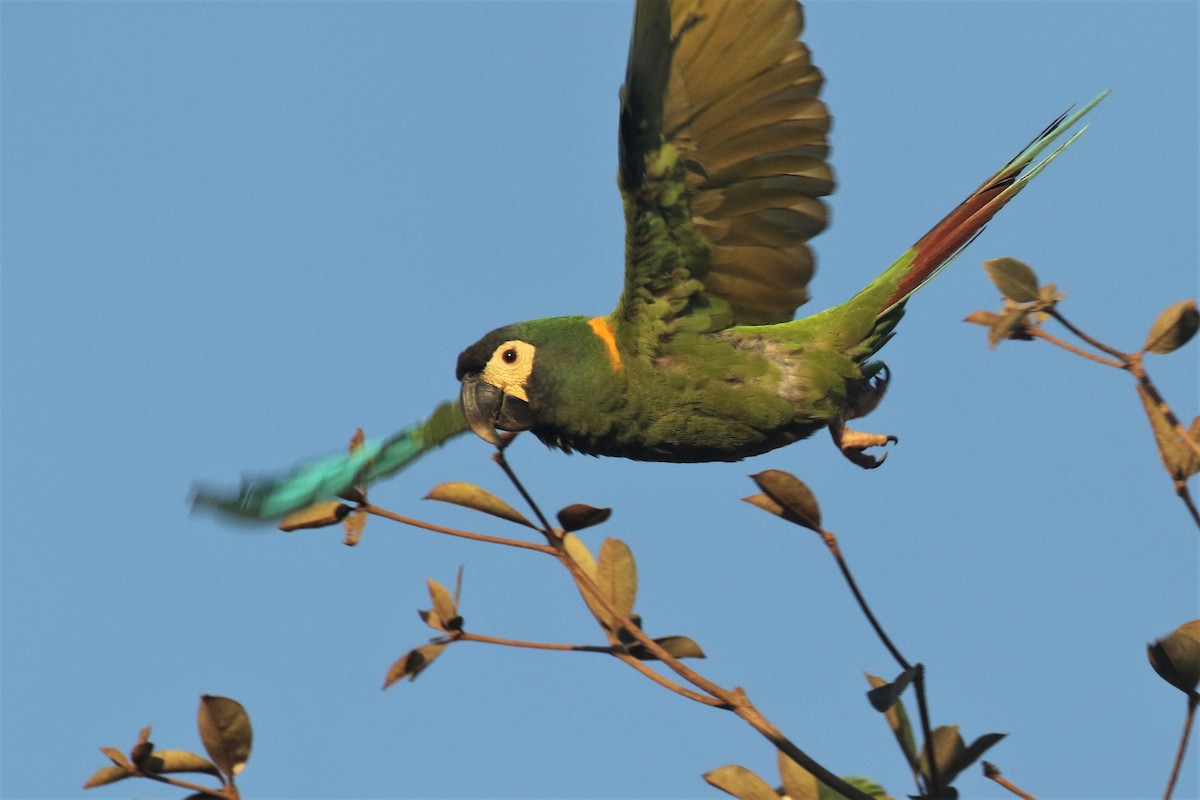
318	515
740	782
676	646
579	553
1180	461
444	606
166	761
578	516
798	502
226	733
354	525
471	496
106	775
798	783
1176	657
414	662
117	757
1174	327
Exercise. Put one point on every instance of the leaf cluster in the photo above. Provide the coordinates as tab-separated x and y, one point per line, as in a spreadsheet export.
225	731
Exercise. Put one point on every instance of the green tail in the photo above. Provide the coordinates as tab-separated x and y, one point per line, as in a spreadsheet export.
268	498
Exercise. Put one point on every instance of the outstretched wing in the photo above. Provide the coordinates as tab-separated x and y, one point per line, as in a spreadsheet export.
723	156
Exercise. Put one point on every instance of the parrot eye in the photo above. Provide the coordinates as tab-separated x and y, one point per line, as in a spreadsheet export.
509	355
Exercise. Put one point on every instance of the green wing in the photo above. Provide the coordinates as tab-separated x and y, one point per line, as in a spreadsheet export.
723	156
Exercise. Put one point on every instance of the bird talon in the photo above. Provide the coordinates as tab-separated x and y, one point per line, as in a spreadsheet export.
853	444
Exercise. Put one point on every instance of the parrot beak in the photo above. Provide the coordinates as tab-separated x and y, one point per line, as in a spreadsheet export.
487	409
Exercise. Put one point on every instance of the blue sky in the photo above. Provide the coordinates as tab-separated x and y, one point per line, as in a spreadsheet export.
234	232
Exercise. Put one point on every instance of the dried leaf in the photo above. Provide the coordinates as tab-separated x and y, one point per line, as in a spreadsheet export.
1015	279
617	575
798	783
676	646
318	515
226	733
1180	461
354	525
1176	657
798	502
741	783
444	607
579	553
117	757
471	496
414	662
970	755
898	721
1174	327
106	775
1010	325
356	441
578	516
947	744
886	695
166	761
984	318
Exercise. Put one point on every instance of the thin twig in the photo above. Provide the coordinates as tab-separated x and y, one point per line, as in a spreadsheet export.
1096	343
990	771
478	537
831	542
1193	701
499	458
464	636
1039	332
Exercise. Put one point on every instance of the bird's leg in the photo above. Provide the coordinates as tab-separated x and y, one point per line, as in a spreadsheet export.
854	443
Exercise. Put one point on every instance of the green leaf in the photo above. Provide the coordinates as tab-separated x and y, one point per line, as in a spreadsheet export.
471	496
898	721
444	606
414	662
1015	279
166	761
318	515
226	733
106	775
798	503
617	574
741	783
1174	328
1176	657
578	516
886	695
1180	461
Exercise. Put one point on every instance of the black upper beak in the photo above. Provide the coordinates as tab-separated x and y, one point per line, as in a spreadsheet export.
487	408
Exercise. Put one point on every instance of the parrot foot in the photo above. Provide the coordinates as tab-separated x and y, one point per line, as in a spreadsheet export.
853	444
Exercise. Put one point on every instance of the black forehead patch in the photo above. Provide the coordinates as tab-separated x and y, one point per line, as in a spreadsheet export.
476	357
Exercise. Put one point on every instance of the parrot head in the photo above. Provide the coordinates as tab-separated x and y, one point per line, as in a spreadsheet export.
533	376
495	373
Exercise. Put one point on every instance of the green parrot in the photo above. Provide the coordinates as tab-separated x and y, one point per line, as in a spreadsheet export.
722	161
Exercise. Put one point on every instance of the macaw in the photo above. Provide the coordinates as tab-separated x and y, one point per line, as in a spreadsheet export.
722	160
